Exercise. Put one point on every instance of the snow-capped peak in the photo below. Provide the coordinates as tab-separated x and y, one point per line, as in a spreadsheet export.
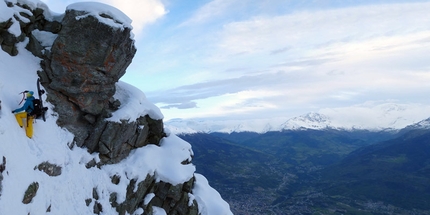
424	124
368	116
309	121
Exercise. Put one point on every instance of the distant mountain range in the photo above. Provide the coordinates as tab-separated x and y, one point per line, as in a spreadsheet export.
380	117
318	171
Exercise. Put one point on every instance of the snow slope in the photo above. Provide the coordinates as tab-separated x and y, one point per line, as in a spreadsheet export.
65	194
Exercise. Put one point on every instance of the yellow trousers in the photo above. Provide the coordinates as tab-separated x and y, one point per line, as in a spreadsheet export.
28	125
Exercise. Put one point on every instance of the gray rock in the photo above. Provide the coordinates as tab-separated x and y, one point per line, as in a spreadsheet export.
98	208
87	64
115	179
88	201
135	198
49	169
30	193
2	168
35	47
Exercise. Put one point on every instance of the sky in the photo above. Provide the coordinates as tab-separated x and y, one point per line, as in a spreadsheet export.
243	59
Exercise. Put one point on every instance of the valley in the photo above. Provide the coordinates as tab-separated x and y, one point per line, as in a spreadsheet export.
317	171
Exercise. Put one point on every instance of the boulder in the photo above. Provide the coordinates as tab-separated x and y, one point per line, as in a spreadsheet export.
49	169
88	58
30	193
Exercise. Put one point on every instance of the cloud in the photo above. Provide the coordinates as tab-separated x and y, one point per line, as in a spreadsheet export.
308	29
185	105
278	51
306	62
209	11
142	12
215	88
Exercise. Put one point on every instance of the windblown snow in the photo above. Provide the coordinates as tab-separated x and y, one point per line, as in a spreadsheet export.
65	194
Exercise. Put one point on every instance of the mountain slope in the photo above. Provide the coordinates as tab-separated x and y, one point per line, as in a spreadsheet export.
256	172
245	177
395	171
217	157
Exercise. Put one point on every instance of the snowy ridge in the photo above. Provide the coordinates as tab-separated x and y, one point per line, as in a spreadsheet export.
424	124
7	13
370	116
66	193
308	121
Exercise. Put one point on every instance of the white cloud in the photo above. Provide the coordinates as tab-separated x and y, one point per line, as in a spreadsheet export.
142	12
307	30
209	11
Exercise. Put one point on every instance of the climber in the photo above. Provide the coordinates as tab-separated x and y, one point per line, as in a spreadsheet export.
24	113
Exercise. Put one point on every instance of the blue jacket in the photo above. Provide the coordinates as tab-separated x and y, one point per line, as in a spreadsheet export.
28	105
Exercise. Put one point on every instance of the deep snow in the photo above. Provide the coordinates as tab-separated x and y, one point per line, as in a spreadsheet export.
67	192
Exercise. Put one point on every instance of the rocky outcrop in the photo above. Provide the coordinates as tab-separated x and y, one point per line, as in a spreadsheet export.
28	20
80	70
173	199
80	74
87	59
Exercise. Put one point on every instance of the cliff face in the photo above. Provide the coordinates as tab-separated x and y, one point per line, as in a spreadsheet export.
84	53
80	72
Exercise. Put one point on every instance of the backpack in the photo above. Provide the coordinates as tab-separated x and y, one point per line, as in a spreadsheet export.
38	110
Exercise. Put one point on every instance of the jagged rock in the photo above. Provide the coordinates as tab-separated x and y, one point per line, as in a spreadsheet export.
2	168
88	201
135	198
50	169
10	49
115	140
86	71
116	179
95	194
113	199
35	47
36	20
174	199
30	193
91	163
3	165
98	208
